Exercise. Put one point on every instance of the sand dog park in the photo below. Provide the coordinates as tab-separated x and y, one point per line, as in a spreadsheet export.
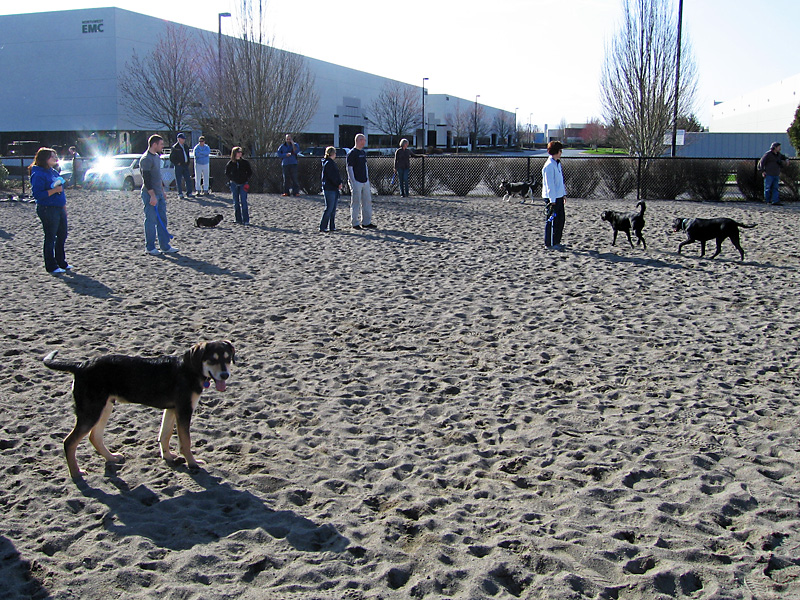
437	408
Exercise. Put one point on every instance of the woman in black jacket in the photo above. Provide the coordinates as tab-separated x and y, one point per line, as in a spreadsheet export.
238	172
331	187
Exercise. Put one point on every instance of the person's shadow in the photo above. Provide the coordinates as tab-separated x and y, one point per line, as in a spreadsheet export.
87	286
19	576
194	518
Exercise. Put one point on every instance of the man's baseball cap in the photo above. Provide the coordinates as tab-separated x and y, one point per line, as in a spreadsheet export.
180	135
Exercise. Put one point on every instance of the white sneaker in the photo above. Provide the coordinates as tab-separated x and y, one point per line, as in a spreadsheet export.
154	252
57	271
69	267
171	249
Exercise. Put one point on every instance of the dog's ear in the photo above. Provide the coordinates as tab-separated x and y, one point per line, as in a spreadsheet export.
195	356
229	344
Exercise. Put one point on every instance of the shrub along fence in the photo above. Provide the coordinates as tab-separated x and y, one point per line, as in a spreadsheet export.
665	178
709	179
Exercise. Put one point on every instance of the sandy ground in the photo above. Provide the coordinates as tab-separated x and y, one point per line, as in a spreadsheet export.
439	408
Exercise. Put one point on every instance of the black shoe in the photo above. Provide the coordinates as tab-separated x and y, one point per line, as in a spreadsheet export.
357	227
370	226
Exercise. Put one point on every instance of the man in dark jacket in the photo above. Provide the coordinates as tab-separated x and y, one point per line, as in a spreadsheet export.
179	156
770	167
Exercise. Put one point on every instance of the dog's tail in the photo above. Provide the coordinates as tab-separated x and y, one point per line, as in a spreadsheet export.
641	206
746	226
60	365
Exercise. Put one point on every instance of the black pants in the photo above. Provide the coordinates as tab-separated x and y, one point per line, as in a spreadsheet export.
554	227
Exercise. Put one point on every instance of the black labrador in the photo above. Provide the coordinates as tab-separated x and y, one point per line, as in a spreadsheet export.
627	222
703	230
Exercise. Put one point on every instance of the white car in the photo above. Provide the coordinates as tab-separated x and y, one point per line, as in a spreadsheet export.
119	172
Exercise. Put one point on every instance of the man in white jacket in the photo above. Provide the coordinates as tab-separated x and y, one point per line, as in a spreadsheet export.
553	189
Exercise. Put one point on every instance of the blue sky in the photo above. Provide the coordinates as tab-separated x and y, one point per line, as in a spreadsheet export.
542	57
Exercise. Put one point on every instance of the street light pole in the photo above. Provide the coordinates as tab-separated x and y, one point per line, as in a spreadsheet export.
677	81
516	141
219	38
475	124
424	133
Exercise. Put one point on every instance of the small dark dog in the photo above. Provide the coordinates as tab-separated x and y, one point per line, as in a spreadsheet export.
520	188
702	230
627	222
208	221
170	383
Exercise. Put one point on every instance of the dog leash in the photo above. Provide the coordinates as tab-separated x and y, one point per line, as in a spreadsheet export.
163	225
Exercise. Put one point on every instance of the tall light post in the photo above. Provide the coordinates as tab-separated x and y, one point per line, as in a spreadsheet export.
516	141
424	133
475	124
677	80
219	37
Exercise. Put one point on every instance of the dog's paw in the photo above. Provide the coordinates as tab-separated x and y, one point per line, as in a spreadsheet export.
196	465
115	458
170	457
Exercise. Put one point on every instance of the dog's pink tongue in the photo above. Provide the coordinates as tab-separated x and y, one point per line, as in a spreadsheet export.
220	385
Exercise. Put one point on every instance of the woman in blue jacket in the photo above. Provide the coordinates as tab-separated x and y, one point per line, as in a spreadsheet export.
51	207
331	187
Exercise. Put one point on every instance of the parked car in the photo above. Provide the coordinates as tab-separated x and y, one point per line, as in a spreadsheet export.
115	172
65	170
167	172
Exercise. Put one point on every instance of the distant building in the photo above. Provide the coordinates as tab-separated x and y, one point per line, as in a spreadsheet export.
766	110
61	73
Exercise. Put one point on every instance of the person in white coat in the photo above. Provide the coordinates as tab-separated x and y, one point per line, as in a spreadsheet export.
554	191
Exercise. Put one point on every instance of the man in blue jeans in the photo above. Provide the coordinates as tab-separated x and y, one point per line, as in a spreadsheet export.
770	167
288	152
153	200
179	157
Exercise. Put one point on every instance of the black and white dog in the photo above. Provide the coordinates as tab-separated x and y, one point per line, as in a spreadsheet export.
627	222
515	188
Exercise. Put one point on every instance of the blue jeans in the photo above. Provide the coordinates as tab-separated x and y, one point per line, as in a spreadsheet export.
329	216
152	226
182	176
771	183
290	180
402	175
554	227
240	203
54	223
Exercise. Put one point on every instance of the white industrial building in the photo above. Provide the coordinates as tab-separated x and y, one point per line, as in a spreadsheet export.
766	110
61	71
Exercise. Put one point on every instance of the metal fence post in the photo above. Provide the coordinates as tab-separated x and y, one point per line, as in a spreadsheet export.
529	169
22	172
423	174
639	179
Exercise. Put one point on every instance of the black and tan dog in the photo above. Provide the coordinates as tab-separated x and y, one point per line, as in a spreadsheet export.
208	221
170	383
702	230
627	222
515	188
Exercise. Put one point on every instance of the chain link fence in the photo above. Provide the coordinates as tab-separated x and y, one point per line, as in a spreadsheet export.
664	178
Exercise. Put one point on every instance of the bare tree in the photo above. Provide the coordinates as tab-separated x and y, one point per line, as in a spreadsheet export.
503	127
257	93
397	110
161	88
594	133
638	81
460	123
478	123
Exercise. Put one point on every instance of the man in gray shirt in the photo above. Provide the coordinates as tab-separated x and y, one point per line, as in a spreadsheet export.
153	199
